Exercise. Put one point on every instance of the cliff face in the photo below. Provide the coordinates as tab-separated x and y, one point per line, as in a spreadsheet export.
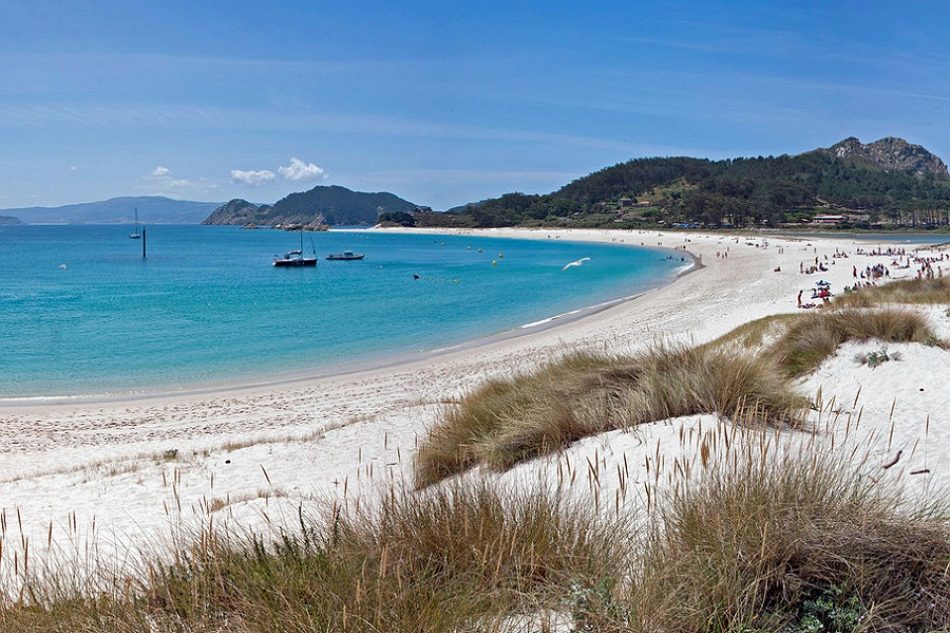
332	205
890	154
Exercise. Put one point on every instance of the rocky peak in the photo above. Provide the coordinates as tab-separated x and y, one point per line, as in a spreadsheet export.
890	153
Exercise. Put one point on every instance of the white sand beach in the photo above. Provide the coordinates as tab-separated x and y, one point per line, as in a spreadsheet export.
124	475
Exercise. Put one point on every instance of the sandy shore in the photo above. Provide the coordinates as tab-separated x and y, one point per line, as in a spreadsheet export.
132	469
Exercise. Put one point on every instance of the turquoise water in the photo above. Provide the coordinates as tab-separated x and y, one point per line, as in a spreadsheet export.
82	313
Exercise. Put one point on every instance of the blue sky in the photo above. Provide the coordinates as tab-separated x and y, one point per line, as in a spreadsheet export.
442	103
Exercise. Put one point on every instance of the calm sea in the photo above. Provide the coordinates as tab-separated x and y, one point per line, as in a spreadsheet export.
82	313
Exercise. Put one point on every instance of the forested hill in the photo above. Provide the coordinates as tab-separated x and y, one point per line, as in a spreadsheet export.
886	182
331	205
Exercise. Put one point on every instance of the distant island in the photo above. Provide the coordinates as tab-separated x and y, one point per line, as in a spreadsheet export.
152	210
889	183
9	219
323	205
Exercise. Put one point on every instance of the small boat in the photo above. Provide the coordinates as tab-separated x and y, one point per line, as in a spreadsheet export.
136	233
295	259
345	256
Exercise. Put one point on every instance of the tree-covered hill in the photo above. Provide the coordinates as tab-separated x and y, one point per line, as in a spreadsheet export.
886	182
333	205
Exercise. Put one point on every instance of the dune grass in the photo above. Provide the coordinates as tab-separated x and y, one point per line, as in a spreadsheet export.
792	544
455	559
909	291
766	541
814	337
507	421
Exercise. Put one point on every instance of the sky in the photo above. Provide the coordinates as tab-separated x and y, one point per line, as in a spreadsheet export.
442	103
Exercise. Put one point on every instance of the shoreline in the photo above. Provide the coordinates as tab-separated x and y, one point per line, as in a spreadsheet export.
389	361
248	457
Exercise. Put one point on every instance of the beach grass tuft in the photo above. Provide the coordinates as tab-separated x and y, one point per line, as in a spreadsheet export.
453	559
814	337
793	544
507	421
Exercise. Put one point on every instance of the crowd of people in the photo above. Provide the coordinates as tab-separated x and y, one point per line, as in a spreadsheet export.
927	267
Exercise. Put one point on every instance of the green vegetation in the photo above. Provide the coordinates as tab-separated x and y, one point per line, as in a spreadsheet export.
877	358
396	218
762	191
509	420
332	205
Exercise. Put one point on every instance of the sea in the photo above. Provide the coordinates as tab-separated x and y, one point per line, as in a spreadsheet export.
82	314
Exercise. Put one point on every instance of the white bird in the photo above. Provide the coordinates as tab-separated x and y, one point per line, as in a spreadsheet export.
579	262
63	267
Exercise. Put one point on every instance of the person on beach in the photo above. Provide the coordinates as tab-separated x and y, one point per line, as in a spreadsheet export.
799	298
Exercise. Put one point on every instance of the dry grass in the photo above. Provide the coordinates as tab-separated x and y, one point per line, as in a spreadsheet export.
926	291
456	559
780	544
813	337
507	421
759	539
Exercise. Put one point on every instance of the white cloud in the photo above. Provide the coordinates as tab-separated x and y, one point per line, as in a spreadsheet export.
298	170
252	177
161	181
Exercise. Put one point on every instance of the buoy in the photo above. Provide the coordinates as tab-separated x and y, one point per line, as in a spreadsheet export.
494	263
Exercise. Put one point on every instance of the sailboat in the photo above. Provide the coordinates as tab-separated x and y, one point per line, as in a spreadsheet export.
295	258
136	233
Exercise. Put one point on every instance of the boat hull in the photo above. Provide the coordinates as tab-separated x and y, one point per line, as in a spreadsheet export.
295	263
340	258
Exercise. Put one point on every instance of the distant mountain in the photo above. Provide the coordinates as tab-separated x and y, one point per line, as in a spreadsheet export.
889	182
152	210
889	154
7	219
333	205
